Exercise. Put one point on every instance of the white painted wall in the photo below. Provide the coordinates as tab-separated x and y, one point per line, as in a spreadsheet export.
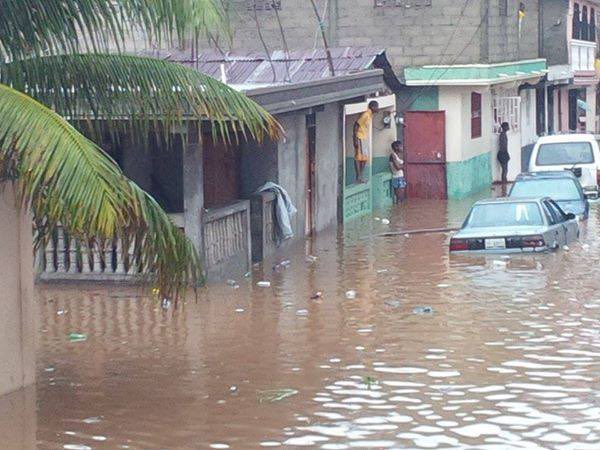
17	318
456	101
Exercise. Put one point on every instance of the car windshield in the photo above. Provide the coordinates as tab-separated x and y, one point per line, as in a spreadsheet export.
557	189
504	215
565	153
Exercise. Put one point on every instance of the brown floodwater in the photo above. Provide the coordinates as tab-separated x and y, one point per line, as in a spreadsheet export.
507	356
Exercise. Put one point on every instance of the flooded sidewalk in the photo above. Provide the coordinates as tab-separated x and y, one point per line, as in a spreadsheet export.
432	351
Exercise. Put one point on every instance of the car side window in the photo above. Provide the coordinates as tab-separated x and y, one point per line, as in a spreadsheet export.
558	211
551	216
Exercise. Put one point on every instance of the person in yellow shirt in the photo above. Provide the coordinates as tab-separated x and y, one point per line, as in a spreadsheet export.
360	137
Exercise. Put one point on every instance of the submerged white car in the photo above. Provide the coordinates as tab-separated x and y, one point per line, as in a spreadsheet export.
515	225
578	153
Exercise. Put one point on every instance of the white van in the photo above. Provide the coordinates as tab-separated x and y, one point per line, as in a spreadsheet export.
578	153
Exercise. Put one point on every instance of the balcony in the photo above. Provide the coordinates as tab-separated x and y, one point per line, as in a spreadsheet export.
583	55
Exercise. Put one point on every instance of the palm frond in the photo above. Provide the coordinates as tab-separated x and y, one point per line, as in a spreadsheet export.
65	178
39	27
140	89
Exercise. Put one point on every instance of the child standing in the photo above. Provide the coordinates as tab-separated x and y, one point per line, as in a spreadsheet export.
397	169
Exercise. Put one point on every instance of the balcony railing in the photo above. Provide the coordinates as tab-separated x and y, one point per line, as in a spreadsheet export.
583	55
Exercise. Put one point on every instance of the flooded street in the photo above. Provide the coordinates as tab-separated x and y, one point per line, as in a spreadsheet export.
433	352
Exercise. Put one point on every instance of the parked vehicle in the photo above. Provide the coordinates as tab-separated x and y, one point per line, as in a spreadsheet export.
578	153
514	225
561	186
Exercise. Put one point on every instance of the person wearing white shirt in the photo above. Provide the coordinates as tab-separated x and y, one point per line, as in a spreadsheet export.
397	169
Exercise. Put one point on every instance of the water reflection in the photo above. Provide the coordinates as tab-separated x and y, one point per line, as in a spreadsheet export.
506	357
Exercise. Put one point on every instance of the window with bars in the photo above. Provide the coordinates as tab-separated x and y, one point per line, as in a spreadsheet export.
402	3
263	5
503	8
506	109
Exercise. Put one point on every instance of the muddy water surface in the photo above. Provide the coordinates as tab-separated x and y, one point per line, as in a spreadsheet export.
434	352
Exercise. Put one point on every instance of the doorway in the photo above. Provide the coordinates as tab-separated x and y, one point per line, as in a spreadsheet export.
425	147
311	148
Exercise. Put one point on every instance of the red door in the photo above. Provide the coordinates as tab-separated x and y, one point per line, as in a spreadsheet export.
425	154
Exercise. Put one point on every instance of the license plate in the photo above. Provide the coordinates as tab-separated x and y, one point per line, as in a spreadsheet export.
495	243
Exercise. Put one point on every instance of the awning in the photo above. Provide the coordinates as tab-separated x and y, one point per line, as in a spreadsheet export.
475	74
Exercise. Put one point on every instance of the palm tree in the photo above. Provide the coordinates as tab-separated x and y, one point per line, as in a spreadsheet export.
55	64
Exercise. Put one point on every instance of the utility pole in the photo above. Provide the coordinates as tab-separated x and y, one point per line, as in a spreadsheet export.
322	27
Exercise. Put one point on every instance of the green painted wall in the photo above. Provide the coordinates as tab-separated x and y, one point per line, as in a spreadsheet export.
413	98
468	177
380	164
382	190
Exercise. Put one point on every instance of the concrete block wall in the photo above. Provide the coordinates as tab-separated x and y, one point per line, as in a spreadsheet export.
446	32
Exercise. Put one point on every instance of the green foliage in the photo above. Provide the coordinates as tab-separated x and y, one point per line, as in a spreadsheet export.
51	65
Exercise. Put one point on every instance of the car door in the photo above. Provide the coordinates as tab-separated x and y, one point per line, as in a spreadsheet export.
570	226
557	233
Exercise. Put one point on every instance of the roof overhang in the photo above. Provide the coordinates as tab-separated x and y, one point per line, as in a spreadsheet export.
475	74
296	96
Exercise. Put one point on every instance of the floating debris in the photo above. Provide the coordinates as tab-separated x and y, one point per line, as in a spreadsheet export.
77	337
302	312
423	310
165	303
316	295
247	274
351	294
239	310
311	258
393	303
385	221
49	369
382	271
275	395
233	389
499	264
377	219
91	420
566	248
61	312
264	284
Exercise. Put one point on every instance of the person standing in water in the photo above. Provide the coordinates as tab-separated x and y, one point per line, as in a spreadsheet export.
397	169
503	156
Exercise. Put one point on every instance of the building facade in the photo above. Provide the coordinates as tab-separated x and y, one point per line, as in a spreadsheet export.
477	60
569	42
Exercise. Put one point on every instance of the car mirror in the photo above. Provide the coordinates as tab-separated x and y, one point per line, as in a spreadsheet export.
570	216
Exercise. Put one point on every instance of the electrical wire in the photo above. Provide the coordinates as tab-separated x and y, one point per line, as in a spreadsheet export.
264	44
285	46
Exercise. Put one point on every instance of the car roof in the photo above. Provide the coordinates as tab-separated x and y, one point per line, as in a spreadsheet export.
553	174
501	200
575	137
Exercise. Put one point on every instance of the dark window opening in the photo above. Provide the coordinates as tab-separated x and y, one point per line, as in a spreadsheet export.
585	27
475	115
576	22
592	25
540	103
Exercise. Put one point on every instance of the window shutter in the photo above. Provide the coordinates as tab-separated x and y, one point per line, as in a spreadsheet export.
475	115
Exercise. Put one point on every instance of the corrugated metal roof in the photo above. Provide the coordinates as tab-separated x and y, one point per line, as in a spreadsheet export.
254	68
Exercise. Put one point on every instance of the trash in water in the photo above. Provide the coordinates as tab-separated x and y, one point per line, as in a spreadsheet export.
385	221
370	381
90	420
77	337
351	294
247	274
442	285
165	303
275	395
382	271
498	263
239	310
423	310
585	246
407	235
393	303
316	295
50	369
232	283
61	312
311	258
377	219
263	284
233	389
287	263
566	248
302	312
